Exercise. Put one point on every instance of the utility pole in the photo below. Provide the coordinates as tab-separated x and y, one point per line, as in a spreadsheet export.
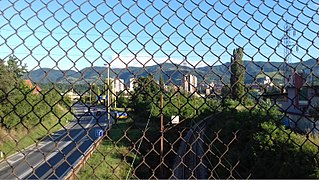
195	103
108	99
179	101
91	86
113	90
105	89
90	93
98	93
162	137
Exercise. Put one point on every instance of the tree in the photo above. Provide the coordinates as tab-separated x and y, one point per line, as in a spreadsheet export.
13	67
10	74
237	78
123	101
145	96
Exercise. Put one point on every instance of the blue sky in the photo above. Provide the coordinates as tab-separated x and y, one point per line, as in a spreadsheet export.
77	34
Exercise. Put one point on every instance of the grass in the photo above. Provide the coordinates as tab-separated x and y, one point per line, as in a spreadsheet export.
112	159
15	140
114	156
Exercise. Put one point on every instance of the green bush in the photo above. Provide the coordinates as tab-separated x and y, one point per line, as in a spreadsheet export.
123	102
21	107
281	153
262	146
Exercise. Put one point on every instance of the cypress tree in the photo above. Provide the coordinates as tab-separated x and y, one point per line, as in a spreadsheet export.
237	78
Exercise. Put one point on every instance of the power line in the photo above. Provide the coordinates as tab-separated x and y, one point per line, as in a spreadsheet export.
125	36
205	49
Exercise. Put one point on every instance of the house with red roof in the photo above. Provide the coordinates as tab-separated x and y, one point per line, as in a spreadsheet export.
36	89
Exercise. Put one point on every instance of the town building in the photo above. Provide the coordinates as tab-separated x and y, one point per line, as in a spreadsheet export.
72	95
207	89
268	82
118	85
190	83
298	104
218	88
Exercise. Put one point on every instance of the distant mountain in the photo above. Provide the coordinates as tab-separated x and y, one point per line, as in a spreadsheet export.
170	72
47	75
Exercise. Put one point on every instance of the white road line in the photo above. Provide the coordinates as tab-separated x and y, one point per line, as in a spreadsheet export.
31	149
32	146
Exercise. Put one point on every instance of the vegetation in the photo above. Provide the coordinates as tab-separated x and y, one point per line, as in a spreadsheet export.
146	100
123	102
237	78
146	95
26	113
256	145
14	140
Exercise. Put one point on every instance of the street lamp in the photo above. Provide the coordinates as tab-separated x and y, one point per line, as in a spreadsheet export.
108	95
91	92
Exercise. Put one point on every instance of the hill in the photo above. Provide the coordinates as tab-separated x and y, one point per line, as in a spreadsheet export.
170	72
47	75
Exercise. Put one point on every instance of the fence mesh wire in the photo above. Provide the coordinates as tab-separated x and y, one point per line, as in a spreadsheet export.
159	89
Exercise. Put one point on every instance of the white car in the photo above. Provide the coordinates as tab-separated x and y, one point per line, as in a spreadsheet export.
87	112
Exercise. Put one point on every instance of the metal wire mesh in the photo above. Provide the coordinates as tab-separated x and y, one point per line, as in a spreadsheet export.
159	89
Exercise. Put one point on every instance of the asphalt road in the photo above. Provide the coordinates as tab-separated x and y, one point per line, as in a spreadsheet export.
54	156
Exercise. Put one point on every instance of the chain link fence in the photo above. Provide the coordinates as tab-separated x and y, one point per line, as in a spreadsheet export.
159	89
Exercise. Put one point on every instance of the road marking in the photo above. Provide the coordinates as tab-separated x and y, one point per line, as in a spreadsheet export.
34	147
31	149
84	139
19	156
23	176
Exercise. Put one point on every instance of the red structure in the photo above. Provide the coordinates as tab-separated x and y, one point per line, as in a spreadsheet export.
36	89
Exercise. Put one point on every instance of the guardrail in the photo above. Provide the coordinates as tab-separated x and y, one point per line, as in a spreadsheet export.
184	156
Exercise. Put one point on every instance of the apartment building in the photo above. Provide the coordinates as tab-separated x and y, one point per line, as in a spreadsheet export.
190	83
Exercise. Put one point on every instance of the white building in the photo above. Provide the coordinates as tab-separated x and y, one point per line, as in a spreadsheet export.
268	82
73	96
207	91
132	80
189	83
118	85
